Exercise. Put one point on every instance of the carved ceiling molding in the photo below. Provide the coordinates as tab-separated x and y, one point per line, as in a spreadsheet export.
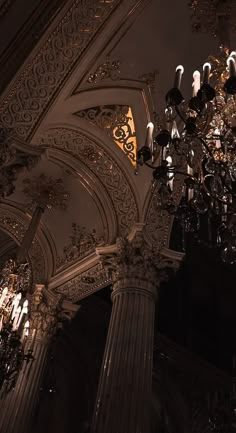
15	223
52	63
158	223
102	166
85	284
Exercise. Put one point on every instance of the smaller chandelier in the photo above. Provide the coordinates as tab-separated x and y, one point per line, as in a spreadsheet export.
14	327
199	144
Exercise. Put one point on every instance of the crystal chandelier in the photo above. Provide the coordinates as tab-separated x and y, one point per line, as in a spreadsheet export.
198	143
14	325
44	192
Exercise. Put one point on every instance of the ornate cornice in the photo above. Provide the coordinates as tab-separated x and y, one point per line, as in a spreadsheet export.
103	167
37	85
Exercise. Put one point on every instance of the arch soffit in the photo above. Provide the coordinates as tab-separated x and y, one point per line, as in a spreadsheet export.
82	147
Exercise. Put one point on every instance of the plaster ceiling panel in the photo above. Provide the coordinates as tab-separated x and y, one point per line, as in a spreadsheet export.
156	41
81	209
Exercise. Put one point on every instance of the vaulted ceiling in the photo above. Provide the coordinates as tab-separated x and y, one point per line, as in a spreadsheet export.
85	94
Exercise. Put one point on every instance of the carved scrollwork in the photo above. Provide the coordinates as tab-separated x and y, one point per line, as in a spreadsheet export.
117	121
110	69
103	166
39	82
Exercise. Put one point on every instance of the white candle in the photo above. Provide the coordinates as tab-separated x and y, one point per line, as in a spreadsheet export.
178	76
149	135
196	82
15	304
231	65
206	72
23	311
190	191
14	326
3	295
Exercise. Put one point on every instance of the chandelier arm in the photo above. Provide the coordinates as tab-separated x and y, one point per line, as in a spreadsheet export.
205	145
180	114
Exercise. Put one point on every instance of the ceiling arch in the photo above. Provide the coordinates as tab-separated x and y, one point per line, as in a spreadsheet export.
106	170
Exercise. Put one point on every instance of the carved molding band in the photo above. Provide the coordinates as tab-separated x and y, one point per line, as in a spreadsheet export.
85	284
40	80
103	166
118	123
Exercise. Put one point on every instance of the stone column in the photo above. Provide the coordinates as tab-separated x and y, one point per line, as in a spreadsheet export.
17	409
124	393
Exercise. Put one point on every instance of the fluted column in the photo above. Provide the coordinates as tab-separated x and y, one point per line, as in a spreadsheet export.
124	393
17	409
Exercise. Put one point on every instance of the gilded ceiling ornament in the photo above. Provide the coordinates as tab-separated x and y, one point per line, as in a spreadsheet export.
110	69
45	191
118	123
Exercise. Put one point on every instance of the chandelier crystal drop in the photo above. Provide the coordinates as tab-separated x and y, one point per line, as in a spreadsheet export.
199	144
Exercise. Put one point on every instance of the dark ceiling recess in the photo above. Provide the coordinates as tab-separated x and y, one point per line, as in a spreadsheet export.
33	26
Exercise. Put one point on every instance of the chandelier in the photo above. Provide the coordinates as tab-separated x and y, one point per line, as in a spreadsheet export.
14	324
198	143
43	192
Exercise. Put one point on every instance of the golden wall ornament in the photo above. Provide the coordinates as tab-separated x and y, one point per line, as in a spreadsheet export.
118	123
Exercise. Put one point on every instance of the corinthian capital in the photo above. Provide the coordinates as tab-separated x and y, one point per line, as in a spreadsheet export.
134	258
47	311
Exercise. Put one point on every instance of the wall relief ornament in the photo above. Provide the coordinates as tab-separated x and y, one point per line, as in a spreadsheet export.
110	69
102	166
118	123
85	284
81	244
40	80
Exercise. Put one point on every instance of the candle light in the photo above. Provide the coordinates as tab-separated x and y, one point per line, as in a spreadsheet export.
178	75
23	311
15	304
149	135
231	65
196	82
190	190
14	326
3	295
206	73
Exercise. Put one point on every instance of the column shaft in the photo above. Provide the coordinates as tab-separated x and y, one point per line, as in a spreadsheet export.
124	394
